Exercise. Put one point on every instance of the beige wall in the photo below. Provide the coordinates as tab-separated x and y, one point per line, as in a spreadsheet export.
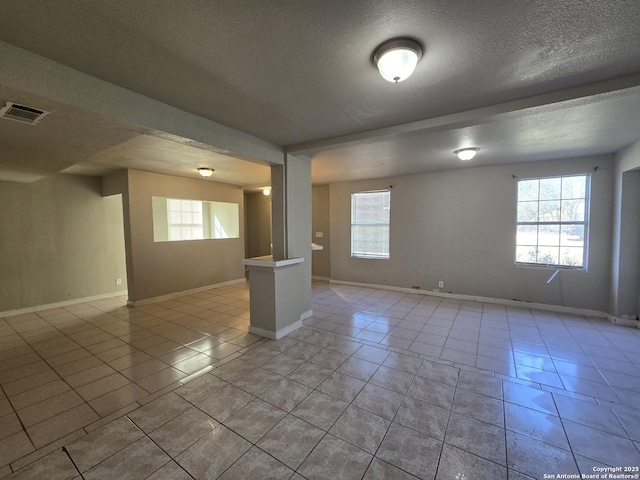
321	264
258	224
459	227
60	240
157	269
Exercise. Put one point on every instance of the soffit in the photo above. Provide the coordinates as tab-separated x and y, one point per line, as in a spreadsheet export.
146	152
65	137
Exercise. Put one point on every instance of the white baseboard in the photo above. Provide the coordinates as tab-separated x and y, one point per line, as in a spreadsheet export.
75	301
318	277
305	315
497	301
169	296
627	322
278	333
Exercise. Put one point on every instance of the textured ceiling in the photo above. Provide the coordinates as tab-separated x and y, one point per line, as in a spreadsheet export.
295	72
31	151
164	156
601	125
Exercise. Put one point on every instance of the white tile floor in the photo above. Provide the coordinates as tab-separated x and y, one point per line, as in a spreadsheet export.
377	384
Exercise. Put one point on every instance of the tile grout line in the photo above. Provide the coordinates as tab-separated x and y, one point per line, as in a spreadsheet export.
64	449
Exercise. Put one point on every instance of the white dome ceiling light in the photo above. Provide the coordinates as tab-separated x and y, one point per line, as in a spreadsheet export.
205	172
397	59
466	154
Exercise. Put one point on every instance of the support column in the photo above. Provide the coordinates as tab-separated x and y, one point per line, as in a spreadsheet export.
278	211
280	284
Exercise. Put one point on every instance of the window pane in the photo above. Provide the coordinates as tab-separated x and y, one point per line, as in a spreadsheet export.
528	190
549	211
572	236
371	208
548	255
527	235
574	187
185	219
370	240
550	188
573	210
526	254
549	235
572	256
528	211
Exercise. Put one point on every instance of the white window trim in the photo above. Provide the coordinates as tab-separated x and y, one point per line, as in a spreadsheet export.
586	223
388	225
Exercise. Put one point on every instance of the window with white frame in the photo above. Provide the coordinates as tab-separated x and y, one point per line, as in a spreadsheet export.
370	224
553	221
185	219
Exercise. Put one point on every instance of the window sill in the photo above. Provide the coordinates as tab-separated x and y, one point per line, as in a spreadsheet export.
549	267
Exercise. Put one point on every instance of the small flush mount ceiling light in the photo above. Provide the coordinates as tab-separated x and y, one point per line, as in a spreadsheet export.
397	59
205	172
266	192
466	153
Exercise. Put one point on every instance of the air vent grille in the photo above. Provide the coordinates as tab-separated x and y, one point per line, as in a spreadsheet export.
22	113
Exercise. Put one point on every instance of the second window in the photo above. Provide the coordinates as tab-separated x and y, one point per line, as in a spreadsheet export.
370	224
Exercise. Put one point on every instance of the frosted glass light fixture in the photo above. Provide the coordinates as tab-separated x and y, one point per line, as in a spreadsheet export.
266	192
397	59
205	172
466	153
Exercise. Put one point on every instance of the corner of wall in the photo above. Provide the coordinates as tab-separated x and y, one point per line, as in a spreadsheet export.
625	160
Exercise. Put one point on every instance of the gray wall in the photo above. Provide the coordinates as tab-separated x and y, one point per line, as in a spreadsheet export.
157	269
630	245
60	240
459	227
258	224
321	264
625	255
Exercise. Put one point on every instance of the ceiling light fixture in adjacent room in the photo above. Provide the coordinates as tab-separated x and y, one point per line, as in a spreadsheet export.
466	153
397	59
205	172
266	192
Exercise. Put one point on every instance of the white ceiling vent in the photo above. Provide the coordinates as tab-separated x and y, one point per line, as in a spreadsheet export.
22	113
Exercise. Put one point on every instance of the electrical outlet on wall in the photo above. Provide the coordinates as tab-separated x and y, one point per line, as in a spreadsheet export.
319	234
118	281
440	284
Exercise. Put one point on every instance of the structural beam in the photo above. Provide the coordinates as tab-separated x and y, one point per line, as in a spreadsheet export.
36	75
545	102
